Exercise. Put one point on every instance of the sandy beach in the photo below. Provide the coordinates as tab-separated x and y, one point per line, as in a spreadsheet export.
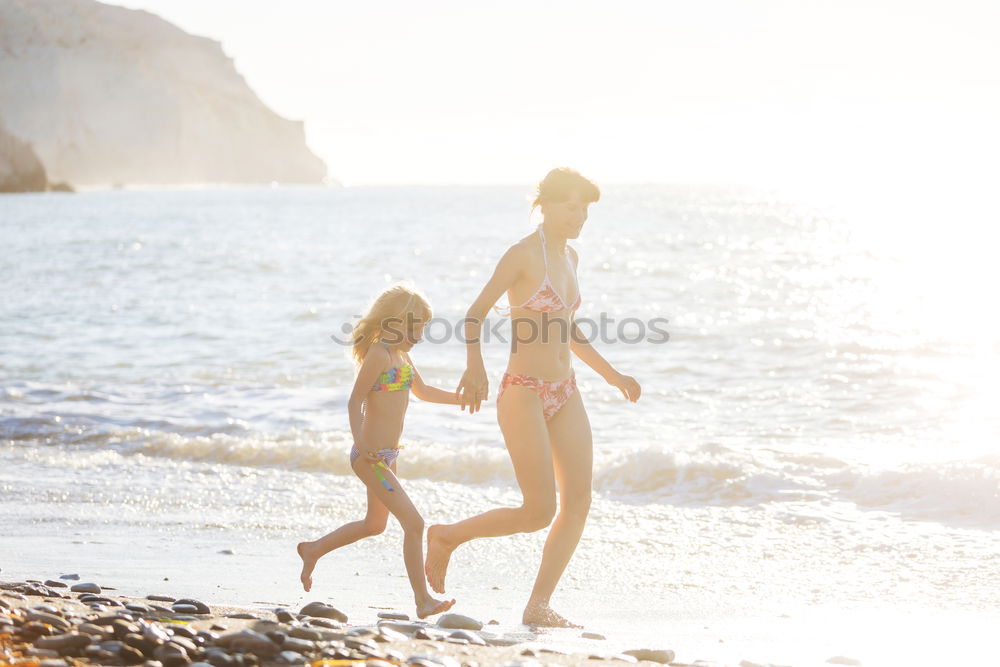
61	622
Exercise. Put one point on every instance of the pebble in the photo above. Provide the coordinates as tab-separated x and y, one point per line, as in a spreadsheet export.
469	636
86	587
408	629
52	583
501	641
623	656
663	656
41	653
184	608
393	616
306	633
430	633
244	615
49	618
249	641
300	645
328	623
291	658
200	607
324	611
161	598
391	635
63	642
284	616
74	577
171	654
445	660
592	635
459	622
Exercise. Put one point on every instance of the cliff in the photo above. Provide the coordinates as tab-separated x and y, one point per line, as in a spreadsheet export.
20	169
107	95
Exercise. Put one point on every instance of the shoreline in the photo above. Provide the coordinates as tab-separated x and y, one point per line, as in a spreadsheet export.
45	624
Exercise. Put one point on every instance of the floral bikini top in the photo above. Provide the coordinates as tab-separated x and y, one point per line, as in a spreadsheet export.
545	299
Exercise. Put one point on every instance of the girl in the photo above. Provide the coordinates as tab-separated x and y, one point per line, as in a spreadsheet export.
539	409
382	340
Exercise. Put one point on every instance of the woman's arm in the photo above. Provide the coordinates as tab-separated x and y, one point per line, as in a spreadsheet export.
582	348
373	365
426	392
473	388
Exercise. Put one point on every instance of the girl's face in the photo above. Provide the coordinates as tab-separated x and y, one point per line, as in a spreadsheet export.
567	217
403	333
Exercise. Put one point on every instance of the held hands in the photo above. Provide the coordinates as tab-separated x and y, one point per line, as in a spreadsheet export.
628	385
473	389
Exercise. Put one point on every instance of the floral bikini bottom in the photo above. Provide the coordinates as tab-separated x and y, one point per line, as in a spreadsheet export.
552	394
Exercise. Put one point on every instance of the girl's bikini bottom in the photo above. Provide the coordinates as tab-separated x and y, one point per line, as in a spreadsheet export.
387	455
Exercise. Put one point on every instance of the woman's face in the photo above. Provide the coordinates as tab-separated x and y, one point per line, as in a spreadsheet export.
567	217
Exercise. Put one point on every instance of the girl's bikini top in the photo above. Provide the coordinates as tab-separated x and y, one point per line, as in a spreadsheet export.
545	299
395	379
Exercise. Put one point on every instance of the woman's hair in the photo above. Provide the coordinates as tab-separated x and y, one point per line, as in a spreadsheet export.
388	312
562	182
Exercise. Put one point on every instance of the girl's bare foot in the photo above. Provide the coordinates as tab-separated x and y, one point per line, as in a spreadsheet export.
431	606
308	563
541	614
438	554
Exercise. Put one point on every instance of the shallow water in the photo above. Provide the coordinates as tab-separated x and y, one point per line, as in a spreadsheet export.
817	440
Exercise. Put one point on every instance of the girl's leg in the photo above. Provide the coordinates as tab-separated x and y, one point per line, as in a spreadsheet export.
372	524
519	412
573	460
401	507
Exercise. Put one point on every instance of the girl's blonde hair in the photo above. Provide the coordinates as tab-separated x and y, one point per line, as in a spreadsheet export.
395	306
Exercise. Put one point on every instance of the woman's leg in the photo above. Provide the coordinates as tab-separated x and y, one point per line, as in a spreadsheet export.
573	461
372	524
401	507
519	412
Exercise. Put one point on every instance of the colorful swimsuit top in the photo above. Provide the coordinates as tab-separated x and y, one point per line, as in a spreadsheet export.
395	379
546	299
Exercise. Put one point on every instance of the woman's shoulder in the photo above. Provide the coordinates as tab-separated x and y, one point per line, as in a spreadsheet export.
522	249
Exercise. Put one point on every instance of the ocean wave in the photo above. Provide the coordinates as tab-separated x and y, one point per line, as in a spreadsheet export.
957	492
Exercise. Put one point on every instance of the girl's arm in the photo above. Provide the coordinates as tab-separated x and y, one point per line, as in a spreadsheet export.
473	388
426	392
582	348
373	365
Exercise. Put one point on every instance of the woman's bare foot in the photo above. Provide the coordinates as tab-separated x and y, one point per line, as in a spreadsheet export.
431	606
541	614
308	563
438	554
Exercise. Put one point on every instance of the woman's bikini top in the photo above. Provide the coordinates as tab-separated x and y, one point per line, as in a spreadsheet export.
545	299
395	379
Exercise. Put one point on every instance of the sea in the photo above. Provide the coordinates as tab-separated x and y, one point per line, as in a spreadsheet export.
811	476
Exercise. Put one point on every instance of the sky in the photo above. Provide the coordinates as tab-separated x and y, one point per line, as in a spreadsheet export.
817	94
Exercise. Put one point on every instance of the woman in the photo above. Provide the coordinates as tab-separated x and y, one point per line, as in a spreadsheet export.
540	412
